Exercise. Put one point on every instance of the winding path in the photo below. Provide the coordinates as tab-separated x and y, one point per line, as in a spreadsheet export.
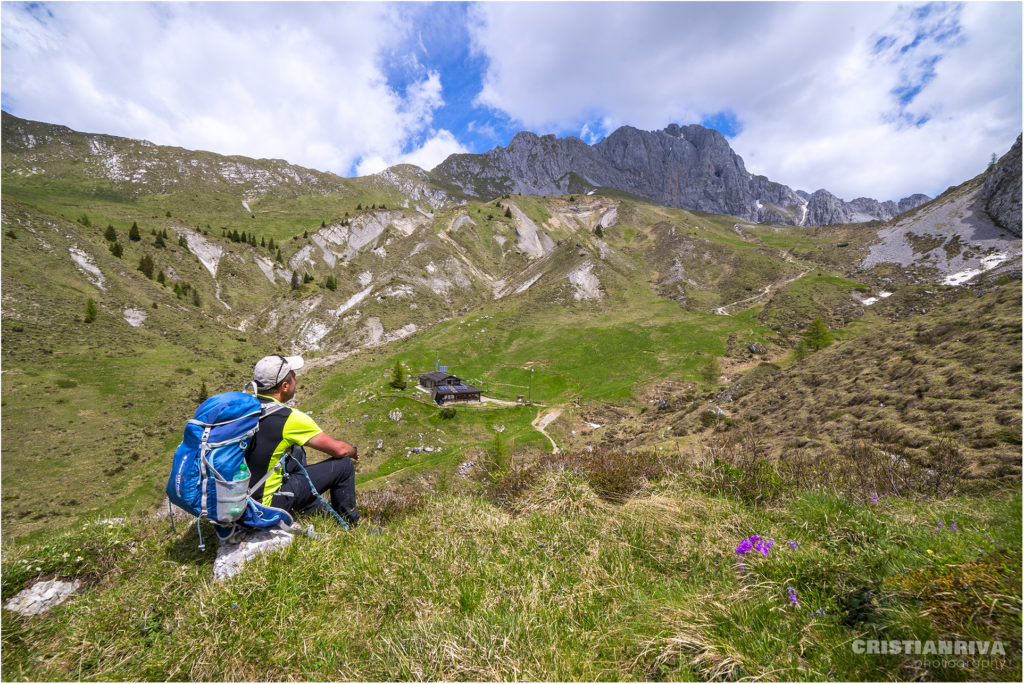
545	418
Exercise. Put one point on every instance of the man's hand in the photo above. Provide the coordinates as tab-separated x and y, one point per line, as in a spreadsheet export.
333	447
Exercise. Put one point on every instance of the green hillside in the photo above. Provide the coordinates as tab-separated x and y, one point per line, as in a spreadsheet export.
652	401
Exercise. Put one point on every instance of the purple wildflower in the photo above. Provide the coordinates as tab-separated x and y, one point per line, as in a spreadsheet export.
820	611
792	597
756	543
952	526
793	544
941	524
874	498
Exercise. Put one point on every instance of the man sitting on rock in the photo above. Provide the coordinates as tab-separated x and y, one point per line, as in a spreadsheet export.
287	428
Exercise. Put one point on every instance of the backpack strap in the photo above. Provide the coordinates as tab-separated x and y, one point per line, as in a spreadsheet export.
265	410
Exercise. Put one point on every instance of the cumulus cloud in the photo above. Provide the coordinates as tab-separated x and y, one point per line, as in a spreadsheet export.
299	81
864	99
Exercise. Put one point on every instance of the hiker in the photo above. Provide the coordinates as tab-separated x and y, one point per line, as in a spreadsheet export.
288	428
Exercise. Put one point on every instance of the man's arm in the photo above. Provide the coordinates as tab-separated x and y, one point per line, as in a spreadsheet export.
333	447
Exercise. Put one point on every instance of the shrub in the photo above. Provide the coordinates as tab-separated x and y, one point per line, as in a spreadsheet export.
817	335
447	413
740	465
381	506
710	371
146	266
399	383
90	311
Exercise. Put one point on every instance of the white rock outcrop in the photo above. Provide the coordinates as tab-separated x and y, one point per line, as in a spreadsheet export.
88	267
231	557
42	596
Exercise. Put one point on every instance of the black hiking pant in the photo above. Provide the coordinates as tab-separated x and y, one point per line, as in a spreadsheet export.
335	475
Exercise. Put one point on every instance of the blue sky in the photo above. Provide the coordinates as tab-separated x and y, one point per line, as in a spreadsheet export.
865	99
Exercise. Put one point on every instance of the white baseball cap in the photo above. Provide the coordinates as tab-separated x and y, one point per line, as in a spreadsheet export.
271	370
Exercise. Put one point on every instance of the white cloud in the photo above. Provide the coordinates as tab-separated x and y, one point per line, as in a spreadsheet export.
299	81
816	103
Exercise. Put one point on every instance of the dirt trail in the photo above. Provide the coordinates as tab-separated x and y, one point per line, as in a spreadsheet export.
724	310
545	418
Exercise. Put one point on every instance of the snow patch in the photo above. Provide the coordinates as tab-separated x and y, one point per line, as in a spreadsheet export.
987	264
88	267
246	205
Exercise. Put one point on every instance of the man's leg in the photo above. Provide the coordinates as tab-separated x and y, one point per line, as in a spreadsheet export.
335	475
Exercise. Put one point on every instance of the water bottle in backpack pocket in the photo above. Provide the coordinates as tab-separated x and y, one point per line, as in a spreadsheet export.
233	495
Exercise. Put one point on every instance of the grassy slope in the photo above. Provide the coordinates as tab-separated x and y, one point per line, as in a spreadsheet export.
646	589
568	588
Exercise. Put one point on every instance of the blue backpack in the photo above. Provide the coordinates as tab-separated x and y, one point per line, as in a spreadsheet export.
210	455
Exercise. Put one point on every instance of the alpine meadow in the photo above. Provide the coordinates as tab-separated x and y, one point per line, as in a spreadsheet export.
727	430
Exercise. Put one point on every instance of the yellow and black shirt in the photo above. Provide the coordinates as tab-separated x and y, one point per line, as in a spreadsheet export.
278	431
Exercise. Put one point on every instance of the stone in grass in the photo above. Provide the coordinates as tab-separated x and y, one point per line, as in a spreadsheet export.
231	557
42	596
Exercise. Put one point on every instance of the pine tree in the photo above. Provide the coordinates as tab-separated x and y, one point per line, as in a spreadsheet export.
116	249
271	246
295	280
111	234
177	290
711	371
323	224
359	207
244	238
133	233
168	214
398	376
306	277
90	311
332	283
161	278
182	242
195	297
508	212
159	242
817	335
84	220
599	232
204	393
263	241
280	260
146	265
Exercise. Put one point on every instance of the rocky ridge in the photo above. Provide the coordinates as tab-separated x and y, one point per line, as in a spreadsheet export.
689	167
1001	193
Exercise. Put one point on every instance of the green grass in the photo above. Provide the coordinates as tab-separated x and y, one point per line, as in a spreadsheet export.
570	589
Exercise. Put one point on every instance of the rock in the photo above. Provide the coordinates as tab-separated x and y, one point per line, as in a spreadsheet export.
231	557
1001	194
756	348
380	443
42	596
690	167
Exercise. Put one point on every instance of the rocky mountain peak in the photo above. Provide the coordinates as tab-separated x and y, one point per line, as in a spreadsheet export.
685	166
